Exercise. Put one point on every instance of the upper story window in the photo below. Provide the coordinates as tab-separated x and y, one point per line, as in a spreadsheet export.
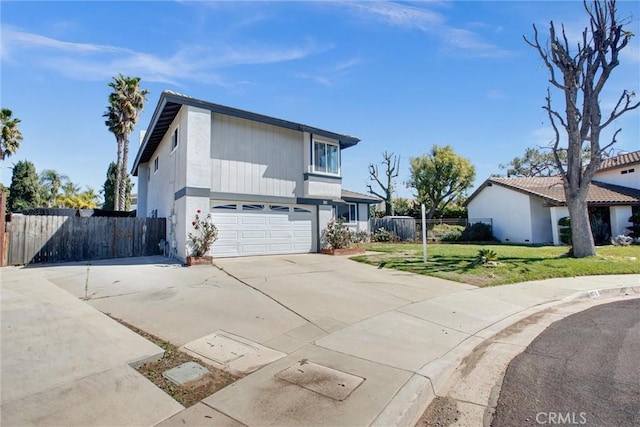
174	140
348	213
155	165
326	157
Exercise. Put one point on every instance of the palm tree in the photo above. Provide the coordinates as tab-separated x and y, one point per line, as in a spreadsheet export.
114	123
125	103
11	135
51	181
70	193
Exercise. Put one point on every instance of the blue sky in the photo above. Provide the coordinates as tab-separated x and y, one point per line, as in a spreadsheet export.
401	76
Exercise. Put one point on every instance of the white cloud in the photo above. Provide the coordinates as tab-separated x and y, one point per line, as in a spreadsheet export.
329	75
397	14
463	42
497	95
87	61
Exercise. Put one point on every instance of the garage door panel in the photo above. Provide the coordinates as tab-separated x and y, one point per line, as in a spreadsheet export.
280	247
263	231
253	249
225	219
227	234
279	219
225	249
254	234
255	219
280	234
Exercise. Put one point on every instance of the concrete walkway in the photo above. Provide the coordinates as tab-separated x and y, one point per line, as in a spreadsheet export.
359	345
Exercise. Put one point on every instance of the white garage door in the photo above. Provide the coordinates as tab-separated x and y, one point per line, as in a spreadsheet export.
262	229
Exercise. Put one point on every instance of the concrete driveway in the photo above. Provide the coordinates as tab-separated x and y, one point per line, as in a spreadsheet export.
350	344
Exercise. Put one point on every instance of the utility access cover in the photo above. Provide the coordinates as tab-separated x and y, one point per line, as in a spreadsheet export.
232	353
186	372
328	382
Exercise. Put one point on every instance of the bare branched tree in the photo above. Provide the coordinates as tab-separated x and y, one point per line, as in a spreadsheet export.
392	169
581	76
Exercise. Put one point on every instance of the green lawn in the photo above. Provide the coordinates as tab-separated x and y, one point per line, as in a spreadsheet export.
518	263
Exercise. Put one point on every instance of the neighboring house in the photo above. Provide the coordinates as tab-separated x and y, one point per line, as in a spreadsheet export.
527	210
270	185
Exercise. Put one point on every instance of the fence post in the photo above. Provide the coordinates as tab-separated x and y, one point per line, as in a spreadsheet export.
424	235
3	236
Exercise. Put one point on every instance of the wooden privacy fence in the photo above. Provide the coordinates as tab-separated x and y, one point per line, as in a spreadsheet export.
40	239
403	226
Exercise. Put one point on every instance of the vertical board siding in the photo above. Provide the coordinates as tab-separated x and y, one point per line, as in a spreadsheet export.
255	158
46	239
404	228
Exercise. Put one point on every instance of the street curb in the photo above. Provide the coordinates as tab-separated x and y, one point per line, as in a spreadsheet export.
407	406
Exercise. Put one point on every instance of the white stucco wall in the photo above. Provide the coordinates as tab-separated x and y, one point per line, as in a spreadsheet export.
362	221
325	214
510	211
619	220
161	185
197	167
540	222
363	217
556	213
616	177
142	184
317	187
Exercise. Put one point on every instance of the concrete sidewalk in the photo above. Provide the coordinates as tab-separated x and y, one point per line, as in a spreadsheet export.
359	345
66	364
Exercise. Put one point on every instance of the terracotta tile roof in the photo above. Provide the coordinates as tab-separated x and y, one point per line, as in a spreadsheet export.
551	191
626	159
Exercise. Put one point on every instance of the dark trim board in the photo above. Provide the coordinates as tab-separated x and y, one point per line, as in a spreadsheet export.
240	197
191	191
357	200
321	177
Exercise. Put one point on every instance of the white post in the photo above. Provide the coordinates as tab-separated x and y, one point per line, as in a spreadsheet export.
424	235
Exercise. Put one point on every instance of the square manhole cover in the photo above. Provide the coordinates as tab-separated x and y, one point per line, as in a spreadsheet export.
328	382
221	349
231	353
188	371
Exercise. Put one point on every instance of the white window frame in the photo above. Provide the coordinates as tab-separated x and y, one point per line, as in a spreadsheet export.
313	156
351	220
174	140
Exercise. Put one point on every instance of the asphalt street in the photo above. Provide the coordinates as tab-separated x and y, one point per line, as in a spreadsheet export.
582	370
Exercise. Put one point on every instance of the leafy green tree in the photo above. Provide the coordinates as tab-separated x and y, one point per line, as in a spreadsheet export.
108	190
538	163
402	206
440	177
50	185
125	103
24	191
11	135
580	74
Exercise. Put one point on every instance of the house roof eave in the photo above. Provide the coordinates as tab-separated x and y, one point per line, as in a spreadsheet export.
170	103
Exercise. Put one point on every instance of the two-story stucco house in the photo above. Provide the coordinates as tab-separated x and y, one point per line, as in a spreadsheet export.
527	210
271	185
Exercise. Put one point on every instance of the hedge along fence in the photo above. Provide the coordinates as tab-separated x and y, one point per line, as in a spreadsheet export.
43	239
410	229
